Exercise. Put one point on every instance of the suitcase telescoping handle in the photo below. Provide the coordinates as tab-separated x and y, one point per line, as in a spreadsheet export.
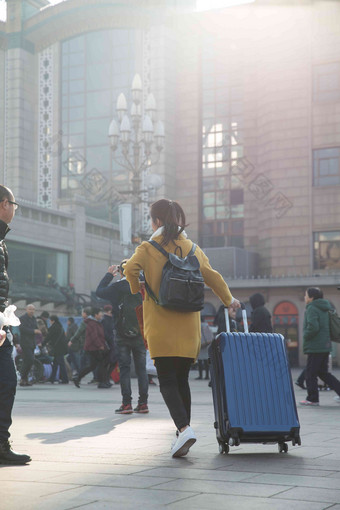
244	317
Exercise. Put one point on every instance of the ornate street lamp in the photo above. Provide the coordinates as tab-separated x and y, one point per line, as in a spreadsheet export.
136	146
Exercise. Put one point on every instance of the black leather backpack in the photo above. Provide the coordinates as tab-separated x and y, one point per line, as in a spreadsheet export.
182	284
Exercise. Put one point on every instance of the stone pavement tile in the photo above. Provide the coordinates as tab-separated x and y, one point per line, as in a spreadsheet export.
296	480
118	497
65	466
28	473
98	479
276	463
228	502
200	474
215	487
311	494
36	489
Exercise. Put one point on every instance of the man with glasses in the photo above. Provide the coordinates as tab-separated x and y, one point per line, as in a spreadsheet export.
8	376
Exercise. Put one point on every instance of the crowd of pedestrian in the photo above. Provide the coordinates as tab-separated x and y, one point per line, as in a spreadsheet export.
113	335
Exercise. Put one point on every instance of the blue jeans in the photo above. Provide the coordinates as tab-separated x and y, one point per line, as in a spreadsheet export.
136	347
8	383
75	360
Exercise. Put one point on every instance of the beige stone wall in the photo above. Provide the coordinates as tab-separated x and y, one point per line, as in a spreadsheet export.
188	126
2	113
326	117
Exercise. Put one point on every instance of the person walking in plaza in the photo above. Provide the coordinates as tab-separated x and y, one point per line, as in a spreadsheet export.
129	340
173	336
43	325
112	358
8	375
96	347
317	345
206	339
260	316
76	344
28	331
57	346
71	328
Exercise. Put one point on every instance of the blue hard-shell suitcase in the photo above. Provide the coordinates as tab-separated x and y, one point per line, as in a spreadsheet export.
252	389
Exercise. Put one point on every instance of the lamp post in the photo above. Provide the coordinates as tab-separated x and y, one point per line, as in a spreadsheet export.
136	142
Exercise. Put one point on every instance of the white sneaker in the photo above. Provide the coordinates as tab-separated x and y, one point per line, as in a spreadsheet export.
184	442
174	441
337	399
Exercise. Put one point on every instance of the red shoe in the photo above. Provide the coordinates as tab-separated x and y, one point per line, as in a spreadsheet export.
308	403
141	408
124	409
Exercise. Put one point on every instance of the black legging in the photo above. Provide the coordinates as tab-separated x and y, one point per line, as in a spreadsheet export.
173	376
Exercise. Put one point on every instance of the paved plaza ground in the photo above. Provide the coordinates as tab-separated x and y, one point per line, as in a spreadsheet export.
86	457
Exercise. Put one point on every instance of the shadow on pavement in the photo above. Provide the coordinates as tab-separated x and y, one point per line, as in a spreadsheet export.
91	429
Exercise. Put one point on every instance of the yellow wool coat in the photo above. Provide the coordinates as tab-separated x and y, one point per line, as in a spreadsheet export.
169	332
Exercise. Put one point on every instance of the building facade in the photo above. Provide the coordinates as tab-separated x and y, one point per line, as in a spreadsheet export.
250	100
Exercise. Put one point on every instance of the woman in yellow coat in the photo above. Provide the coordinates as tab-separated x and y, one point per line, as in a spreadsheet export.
173	336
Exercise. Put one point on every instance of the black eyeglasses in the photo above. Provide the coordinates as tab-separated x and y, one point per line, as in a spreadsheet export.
11	202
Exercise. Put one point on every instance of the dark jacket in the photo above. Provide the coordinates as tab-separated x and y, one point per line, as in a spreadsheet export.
78	339
94	336
4	280
56	340
71	330
27	327
260	316
42	325
316	337
114	293
108	325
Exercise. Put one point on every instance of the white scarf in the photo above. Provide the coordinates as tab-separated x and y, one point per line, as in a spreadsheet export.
160	232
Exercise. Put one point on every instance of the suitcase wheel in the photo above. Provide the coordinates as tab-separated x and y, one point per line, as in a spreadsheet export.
223	448
283	447
296	441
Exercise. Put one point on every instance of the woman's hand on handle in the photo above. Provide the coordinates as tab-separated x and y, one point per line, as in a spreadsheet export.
235	304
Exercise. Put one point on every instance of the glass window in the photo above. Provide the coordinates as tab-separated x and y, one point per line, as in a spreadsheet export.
97	131
327	250
75	73
76	86
31	264
99	104
76	100
209	213
76	113
98	77
96	67
326	167
76	59
208	198
98	157
222	212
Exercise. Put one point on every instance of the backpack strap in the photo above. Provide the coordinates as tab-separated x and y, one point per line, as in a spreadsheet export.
192	251
159	248
166	254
